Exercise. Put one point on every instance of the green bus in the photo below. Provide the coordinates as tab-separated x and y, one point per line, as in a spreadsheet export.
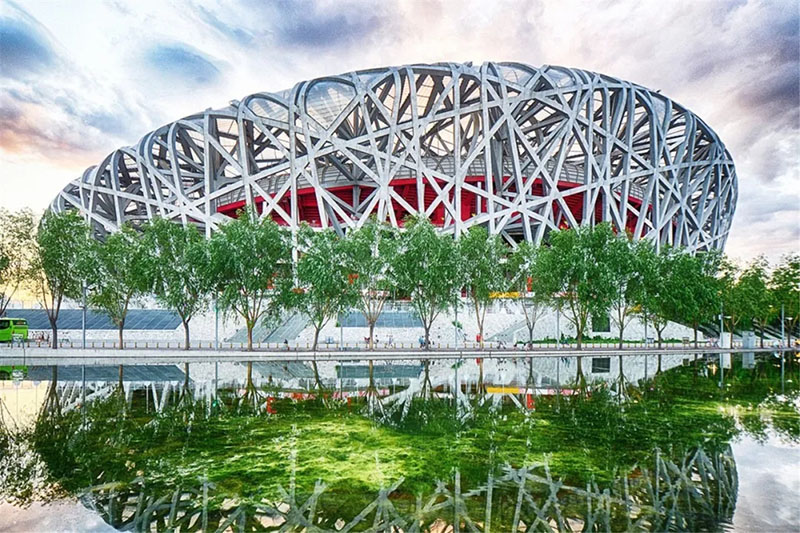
13	326
8	372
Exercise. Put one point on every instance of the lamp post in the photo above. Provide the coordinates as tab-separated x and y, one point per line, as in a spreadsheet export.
721	335
83	318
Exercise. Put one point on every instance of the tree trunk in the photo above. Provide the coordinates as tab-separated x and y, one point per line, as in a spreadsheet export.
621	333
480	376
317	379
579	335
371	386
54	332
186	378
185	334
658	332
427	336
621	376
658	370
316	339
249	336
579	379
694	327
372	336
530	335
121	327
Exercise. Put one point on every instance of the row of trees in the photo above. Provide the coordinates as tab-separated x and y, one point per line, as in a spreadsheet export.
248	265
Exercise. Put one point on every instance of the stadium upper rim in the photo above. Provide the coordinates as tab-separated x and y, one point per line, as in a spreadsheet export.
518	149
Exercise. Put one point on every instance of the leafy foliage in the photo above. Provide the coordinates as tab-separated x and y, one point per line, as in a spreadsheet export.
118	275
323	281
58	267
427	271
574	271
176	268
249	265
370	254
482	259
17	239
524	276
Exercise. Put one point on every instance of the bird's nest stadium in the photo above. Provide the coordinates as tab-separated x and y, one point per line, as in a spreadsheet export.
518	149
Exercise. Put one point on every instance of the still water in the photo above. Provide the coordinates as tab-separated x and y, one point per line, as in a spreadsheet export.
468	445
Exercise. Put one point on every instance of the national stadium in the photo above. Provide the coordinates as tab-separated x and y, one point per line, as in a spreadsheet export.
518	149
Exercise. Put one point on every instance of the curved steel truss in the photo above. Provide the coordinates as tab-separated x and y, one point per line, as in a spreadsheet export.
521	150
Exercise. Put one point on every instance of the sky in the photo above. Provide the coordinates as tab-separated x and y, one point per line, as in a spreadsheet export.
81	78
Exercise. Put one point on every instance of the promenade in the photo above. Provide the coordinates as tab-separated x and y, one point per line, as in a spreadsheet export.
40	356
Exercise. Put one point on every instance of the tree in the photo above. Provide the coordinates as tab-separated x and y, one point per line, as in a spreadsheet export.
692	292
118	275
249	264
626	262
58	265
575	272
177	270
323	284
17	243
524	274
785	284
764	307
482	259
739	293
653	300
427	271
370	253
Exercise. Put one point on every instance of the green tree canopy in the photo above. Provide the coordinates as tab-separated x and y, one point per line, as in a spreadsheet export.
17	246
763	303
691	292
324	287
58	266
370	253
427	271
575	272
482	259
627	262
785	284
524	272
177	270
250	267
118	275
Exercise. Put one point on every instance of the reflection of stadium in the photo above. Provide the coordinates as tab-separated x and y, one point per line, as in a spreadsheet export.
519	149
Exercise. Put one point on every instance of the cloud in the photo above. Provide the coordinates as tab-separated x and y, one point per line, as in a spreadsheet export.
48	106
229	30
735	64
181	62
23	49
323	26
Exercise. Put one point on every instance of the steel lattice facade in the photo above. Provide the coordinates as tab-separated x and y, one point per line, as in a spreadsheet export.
518	149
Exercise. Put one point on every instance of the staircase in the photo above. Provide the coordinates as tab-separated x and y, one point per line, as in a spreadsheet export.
510	334
288	329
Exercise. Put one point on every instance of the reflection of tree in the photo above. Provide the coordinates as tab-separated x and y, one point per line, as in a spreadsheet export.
693	492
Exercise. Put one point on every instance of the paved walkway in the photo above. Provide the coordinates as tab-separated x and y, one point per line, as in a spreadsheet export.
72	356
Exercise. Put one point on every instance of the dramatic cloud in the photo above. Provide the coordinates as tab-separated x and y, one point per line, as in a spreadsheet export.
77	80
182	63
22	49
